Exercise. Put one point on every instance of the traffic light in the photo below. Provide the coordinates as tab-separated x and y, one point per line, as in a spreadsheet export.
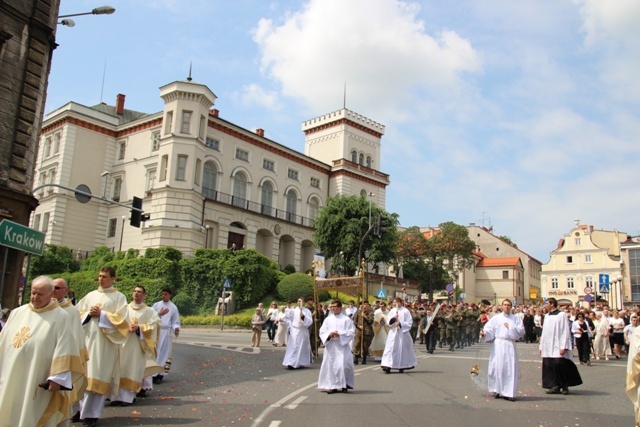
136	214
381	223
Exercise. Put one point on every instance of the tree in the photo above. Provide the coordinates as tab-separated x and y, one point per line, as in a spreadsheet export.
54	260
341	226
452	248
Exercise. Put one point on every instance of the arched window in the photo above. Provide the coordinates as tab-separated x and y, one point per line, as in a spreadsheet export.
314	207
361	159
239	189
292	205
266	198
363	193
209	180
368	161
354	156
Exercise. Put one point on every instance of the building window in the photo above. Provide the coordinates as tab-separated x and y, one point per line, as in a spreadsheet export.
314	207
164	161
239	189
269	165
52	178
122	148
168	124
363	193
203	126
292	205
209	180
292	174
570	284
242	154
634	273
368	161
266	198
117	188
111	228
155	141
577	241
186	122
505	274
56	143
588	280
569	259
587	258
45	222
181	170
151	179
212	143
47	147
36	222
314	182
196	179
354	156
361	159
554	283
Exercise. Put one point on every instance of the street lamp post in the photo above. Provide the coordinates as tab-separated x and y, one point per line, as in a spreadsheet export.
122	232
371	196
430	267
102	10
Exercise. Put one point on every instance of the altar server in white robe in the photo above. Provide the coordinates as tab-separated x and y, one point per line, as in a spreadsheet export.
504	329
169	327
398	351
337	372
298	354
37	350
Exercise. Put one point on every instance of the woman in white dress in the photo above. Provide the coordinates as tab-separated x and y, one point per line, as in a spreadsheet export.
282	334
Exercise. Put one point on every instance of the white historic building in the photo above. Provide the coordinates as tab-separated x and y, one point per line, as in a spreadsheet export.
205	182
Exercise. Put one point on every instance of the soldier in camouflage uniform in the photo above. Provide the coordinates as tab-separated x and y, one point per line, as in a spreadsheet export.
459	314
469	325
451	325
416	321
363	320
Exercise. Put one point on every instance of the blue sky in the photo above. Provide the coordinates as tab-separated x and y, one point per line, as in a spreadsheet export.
520	115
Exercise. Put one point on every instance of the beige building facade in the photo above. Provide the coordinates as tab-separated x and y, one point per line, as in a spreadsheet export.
204	181
576	265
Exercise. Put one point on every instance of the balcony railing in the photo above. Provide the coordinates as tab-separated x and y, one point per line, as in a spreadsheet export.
248	205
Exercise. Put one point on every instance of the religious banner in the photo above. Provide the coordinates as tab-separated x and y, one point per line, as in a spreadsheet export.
353	284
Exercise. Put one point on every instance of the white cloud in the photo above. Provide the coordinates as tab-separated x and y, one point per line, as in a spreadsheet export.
253	95
378	47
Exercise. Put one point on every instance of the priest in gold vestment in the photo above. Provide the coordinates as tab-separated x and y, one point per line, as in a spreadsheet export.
138	354
104	316
39	361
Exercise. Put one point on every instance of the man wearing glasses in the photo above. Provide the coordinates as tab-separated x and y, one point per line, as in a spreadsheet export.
504	329
337	372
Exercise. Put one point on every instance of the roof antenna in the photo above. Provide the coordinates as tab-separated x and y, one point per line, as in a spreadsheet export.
344	96
189	78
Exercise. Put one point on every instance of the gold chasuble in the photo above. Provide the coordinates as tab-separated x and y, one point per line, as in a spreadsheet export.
137	356
34	345
103	344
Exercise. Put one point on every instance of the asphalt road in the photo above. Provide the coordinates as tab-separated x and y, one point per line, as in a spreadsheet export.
218	379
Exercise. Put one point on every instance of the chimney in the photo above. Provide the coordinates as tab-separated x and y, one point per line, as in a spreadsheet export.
260	131
120	104
215	112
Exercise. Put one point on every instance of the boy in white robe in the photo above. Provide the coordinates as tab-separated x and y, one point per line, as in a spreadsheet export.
398	351
337	371
298	354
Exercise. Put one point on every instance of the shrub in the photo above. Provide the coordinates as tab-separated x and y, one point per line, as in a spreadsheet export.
297	285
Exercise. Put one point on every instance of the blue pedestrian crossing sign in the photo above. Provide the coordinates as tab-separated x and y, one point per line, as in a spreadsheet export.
604	284
381	294
227	283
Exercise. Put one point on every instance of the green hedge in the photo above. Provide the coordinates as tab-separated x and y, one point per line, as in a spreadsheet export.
243	321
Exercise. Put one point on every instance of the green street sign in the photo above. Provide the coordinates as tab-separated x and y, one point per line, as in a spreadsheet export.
19	237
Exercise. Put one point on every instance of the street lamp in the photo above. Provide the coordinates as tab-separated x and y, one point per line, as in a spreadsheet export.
371	196
102	10
341	264
619	291
122	232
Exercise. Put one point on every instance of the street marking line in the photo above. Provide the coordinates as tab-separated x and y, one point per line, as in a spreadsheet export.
295	403
275	423
270	408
